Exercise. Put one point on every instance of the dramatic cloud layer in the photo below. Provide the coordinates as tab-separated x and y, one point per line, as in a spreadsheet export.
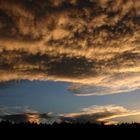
94	43
97	114
26	114
108	114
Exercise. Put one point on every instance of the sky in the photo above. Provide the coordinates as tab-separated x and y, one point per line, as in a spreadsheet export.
83	66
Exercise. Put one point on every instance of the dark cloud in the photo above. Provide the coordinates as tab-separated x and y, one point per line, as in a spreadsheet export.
89	42
98	114
15	118
30	117
109	114
19	114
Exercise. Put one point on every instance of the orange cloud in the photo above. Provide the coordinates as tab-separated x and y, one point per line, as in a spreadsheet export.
91	43
107	114
97	114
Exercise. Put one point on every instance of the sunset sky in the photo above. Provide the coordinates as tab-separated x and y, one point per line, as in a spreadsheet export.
70	61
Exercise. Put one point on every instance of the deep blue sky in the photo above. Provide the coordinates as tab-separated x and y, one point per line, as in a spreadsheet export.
48	96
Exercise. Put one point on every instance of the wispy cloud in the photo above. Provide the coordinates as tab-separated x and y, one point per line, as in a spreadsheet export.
92	43
122	83
19	114
98	114
108	114
9	110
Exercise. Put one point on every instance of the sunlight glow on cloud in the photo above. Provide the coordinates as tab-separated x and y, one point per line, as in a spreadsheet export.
113	85
94	44
97	114
33	118
107	114
26	114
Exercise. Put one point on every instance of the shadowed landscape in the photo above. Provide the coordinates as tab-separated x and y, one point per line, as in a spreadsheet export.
67	126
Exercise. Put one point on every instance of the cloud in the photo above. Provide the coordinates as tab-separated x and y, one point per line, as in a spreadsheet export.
98	114
91	43
7	110
30	117
122	83
107	114
17	114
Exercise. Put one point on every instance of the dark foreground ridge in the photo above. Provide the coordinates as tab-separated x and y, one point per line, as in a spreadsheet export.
6	125
68	131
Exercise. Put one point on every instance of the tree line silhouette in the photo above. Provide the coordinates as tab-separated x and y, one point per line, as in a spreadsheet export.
63	125
67	131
